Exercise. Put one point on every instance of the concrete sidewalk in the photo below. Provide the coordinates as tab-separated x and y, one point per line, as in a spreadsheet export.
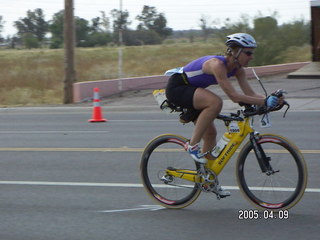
303	94
311	70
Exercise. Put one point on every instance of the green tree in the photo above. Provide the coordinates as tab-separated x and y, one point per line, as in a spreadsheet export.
265	27
150	19
266	34
82	32
30	41
87	34
34	23
120	23
105	22
160	26
243	25
93	34
120	19
56	29
1	25
296	33
99	34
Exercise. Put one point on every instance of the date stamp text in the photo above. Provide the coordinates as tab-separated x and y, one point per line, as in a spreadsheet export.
264	215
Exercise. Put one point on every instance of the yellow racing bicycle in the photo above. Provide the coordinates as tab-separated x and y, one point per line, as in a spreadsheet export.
270	170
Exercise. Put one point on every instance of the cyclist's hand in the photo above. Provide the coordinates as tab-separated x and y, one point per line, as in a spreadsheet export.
271	101
280	94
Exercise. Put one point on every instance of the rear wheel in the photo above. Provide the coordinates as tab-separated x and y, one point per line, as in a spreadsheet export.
162	153
280	188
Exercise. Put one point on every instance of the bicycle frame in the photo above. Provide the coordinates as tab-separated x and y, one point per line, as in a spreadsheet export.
219	163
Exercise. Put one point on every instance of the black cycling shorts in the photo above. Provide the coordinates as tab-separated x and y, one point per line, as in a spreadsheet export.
179	92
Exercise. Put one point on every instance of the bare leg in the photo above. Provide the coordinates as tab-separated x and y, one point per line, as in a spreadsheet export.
209	141
211	105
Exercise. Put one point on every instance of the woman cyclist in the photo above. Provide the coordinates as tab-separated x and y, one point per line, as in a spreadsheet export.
186	88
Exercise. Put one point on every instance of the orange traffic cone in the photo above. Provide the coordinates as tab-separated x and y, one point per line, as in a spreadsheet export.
97	112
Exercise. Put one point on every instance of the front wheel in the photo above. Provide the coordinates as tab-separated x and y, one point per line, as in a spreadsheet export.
163	153
283	185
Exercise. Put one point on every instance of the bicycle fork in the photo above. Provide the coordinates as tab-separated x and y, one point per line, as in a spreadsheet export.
263	159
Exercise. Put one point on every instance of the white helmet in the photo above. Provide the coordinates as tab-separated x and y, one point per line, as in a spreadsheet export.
242	40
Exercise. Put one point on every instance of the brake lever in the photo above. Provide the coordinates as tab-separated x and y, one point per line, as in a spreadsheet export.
279	93
288	106
279	107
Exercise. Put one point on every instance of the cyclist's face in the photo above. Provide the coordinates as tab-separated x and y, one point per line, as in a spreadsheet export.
246	56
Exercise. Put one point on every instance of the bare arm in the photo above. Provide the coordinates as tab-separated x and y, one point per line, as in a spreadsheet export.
244	84
219	70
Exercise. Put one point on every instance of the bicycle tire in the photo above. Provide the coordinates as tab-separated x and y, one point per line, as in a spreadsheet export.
278	191
161	153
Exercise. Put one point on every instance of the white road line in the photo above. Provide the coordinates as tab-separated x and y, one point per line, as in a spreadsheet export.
77	184
143	207
46	132
131	185
118	149
143	120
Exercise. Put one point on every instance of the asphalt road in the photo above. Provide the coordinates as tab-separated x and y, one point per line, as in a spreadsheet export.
64	178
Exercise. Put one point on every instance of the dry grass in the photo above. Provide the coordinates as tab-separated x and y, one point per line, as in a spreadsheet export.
29	77
296	54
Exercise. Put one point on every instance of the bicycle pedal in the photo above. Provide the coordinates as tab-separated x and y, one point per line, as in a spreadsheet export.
219	196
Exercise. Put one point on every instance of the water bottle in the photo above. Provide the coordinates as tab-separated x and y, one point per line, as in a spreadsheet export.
222	143
160	96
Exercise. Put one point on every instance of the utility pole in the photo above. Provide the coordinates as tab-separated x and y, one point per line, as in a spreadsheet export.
120	51
69	42
315	30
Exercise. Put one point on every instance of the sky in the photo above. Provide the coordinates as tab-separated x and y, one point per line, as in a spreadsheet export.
180	14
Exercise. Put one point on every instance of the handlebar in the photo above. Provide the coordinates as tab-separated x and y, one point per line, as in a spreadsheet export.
251	110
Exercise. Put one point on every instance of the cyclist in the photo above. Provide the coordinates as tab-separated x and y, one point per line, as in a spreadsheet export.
187	88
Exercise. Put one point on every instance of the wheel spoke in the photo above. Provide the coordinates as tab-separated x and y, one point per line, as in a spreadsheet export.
281	189
162	155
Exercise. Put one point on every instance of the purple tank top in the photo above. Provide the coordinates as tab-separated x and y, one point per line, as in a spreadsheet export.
197	77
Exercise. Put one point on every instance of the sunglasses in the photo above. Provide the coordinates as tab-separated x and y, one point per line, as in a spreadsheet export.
248	53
